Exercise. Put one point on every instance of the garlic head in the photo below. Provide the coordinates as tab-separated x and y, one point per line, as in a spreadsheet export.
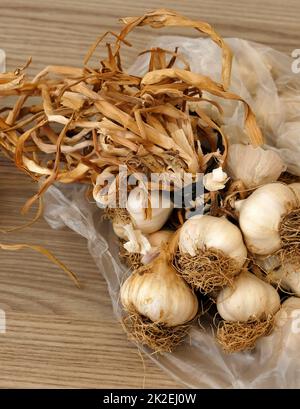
260	216
160	295
209	232
250	298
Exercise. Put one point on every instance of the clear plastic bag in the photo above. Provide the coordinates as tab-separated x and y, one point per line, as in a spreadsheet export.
260	75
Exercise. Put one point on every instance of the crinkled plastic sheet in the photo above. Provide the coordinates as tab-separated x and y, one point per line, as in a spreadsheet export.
260	74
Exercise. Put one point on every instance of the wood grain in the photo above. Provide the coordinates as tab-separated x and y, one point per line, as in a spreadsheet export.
57	335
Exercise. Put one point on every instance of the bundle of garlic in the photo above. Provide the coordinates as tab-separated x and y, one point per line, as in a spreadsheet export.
86	124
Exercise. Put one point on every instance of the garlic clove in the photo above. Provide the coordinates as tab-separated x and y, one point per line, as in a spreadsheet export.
161	208
254	166
250	298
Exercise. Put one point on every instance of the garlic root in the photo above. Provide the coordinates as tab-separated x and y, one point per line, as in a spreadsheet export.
156	336
208	270
242	336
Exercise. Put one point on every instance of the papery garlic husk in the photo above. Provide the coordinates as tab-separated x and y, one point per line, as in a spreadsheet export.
211	252
137	204
269	218
159	304
215	180
135	246
253	166
248	310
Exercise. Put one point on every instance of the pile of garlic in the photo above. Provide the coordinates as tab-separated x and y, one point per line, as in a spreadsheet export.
240	254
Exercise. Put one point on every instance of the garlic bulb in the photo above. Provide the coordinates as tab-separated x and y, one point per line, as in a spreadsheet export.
206	232
250	298
261	213
161	207
254	166
215	180
160	295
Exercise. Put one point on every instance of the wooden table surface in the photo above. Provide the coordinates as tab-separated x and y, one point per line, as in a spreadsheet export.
57	335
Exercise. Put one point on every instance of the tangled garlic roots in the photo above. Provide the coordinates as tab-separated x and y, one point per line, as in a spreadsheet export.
209	270
242	336
289	231
117	215
156	336
132	260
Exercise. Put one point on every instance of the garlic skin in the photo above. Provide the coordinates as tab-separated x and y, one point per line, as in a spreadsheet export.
260	215
205	232
215	180
251	298
137	242
136	206
160	295
254	166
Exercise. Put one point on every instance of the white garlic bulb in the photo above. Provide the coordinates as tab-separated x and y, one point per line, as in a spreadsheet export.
250	298
160	295
209	232
261	213
215	180
137	203
254	166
